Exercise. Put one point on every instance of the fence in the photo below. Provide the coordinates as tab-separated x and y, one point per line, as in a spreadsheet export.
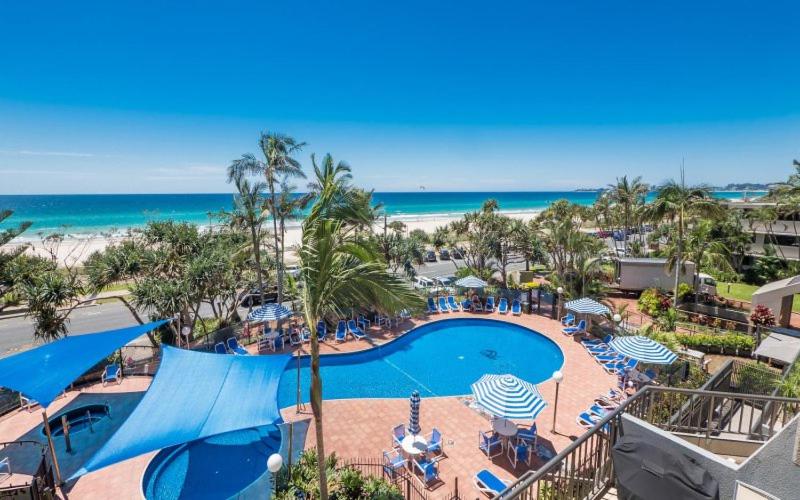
410	486
36	486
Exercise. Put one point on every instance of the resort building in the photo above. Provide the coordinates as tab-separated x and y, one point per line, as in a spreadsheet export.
782	234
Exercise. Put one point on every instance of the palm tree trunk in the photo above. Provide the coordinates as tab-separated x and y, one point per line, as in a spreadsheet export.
257	257
316	409
678	261
278	262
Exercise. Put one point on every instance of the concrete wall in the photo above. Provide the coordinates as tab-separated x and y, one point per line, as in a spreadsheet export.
770	468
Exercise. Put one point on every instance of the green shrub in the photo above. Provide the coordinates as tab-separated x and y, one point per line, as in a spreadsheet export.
684	289
650	302
706	341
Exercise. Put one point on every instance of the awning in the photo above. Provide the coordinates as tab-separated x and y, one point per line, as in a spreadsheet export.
779	347
586	306
42	373
195	395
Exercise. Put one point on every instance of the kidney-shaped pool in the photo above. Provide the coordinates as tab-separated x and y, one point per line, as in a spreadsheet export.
441	358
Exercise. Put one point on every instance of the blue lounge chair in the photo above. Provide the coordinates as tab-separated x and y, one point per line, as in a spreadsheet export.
519	452
355	331
489	304
27	402
278	343
490	444
568	320
363	322
219	348
235	348
574	330
466	305
428	469
112	373
611	357
341	331
322	330
598	410
451	302
476	304
620	367
516	308
432	306
305	335
393	462
502	306
528	435
398	434
443	305
588	421
435	442
488	483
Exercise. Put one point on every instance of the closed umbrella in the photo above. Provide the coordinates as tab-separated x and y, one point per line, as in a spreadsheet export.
269	312
413	421
643	349
508	396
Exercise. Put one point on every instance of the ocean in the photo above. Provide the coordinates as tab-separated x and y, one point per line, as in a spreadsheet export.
92	214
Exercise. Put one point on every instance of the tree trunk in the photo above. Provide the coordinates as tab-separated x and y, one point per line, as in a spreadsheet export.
278	263
316	408
257	257
678	262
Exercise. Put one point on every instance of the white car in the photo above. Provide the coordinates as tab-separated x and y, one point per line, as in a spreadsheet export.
423	282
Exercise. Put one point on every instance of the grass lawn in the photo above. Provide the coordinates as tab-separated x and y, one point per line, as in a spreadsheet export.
743	291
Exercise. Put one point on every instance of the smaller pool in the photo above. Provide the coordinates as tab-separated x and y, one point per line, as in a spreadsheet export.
79	419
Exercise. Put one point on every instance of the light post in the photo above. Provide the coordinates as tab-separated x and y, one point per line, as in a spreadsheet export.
274	464
617	320
558	377
560	291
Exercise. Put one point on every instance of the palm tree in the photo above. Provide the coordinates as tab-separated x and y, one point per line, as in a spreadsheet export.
627	195
249	214
679	203
340	270
279	162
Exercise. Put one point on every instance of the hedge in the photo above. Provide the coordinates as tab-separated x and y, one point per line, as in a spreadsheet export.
707	342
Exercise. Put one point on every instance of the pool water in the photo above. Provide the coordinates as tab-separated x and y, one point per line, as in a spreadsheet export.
216	467
79	419
442	358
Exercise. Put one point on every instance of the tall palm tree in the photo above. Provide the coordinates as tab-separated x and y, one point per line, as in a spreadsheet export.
278	163
680	203
340	270
627	195
248	213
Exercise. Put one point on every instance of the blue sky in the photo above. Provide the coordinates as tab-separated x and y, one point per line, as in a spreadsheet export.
159	96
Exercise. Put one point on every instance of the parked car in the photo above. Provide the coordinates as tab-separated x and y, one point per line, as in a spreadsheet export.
444	254
293	271
456	253
253	297
423	282
430	256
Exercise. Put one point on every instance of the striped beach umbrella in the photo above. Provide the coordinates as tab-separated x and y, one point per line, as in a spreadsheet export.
413	421
508	396
586	306
269	312
643	349
471	282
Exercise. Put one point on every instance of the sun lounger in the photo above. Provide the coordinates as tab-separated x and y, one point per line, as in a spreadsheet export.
5	469
488	483
443	305
27	402
322	330
476	304
466	305
219	348
452	304
597	410
574	330
112	373
355	331
613	357
502	306
235	348
489	308
619	367
341	331
587	420
516	308
432	306
305	335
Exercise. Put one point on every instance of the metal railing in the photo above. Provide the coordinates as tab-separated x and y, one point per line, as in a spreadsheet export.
584	468
38	485
410	486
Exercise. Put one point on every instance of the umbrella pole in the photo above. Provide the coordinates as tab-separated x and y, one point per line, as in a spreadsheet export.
52	448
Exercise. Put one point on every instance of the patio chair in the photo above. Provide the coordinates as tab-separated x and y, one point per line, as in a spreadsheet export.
574	330
363	322
432	306
264	343
443	304
451	303
5	469
27	402
428	469
519	452
294	338
490	444
341	331
398	433
435	443
112	373
502	306
355	331
516	308
278	343
393	462
528	435
219	348
476	304
568	320
235	347
322	330
488	483
466	305
489	307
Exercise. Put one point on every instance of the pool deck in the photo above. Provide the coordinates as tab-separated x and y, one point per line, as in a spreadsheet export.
361	428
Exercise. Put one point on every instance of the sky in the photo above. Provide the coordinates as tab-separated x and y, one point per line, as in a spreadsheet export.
136	97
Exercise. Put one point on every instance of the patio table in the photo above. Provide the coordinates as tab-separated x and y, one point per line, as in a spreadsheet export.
505	427
414	444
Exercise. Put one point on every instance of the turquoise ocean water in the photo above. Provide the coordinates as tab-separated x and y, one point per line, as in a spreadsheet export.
113	213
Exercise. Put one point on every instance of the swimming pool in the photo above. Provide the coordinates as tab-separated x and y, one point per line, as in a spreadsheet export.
78	419
216	467
442	358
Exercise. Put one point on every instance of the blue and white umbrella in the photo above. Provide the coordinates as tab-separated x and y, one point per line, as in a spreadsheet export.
508	396
471	282
586	306
643	349
269	312
413	421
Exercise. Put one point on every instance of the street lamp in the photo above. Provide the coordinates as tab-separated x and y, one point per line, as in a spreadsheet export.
274	464
560	291
617	320
558	377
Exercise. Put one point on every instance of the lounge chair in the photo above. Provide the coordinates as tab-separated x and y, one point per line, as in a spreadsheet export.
322	330
489	308
516	308
612	358
27	402
490	444
466	305
428	469
605	403
597	410
235	348
435	443
219	348
452	304
355	331
488	483
278	343
574	330
398	434
519	452
432	306
443	305
393	462
305	335
587	420
568	320
111	373
528	435
502	306
620	367
476	304
294	337
5	469
341	331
